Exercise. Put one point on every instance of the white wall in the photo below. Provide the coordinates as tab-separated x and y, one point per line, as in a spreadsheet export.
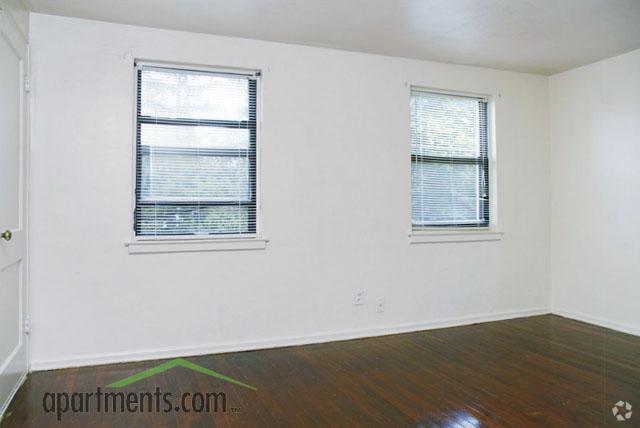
595	197
336	197
18	12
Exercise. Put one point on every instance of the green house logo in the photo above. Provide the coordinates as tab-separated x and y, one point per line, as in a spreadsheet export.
177	362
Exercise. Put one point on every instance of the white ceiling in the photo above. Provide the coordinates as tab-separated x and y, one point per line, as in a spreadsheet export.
537	36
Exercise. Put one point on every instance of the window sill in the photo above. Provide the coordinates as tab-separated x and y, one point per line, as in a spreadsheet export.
195	245
433	236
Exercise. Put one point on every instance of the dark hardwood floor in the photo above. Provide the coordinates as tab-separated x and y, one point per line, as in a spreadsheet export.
542	371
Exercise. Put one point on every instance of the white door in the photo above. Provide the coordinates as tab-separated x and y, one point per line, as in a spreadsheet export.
13	180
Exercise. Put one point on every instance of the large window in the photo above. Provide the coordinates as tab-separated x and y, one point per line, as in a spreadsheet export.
195	152
449	161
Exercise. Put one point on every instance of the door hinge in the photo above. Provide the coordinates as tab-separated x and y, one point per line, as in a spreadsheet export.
27	83
26	327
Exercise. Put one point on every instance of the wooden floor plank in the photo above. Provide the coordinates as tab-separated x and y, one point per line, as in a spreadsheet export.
539	371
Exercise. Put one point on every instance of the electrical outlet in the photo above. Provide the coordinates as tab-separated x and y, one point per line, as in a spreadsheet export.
358	298
380	304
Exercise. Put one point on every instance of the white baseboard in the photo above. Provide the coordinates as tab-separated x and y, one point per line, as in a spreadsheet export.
173	352
15	389
613	325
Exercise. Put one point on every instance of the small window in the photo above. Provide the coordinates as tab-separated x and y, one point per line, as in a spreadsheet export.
195	152
449	161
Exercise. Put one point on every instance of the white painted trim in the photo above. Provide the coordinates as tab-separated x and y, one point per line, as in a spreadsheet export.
613	325
17	249
12	394
425	237
12	355
183	246
172	352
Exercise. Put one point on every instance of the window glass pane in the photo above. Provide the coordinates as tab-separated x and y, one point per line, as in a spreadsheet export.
176	177
194	219
193	95
449	185
444	193
444	125
196	153
193	136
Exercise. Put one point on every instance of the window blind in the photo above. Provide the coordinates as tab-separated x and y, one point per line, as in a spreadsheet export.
449	160
195	152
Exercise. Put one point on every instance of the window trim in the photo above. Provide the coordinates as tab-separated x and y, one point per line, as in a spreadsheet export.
183	243
195	245
455	235
460	233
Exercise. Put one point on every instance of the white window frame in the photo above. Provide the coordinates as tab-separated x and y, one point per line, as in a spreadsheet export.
461	234
193	243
